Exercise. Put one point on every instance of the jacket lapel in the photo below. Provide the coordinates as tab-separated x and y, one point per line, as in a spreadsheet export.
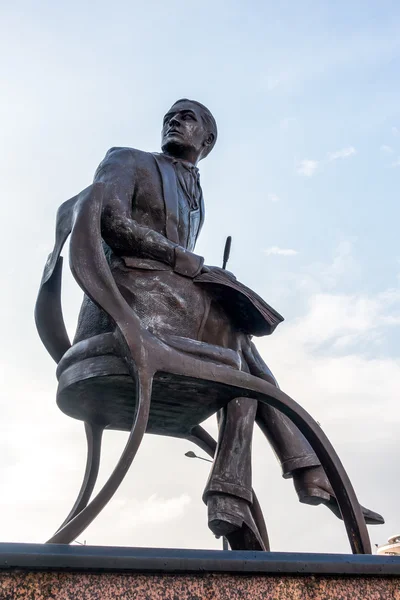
170	193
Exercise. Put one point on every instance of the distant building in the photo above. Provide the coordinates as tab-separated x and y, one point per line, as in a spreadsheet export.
392	547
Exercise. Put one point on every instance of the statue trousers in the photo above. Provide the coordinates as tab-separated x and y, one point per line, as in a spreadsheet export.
168	303
232	469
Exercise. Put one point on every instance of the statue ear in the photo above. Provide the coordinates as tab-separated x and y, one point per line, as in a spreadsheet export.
209	139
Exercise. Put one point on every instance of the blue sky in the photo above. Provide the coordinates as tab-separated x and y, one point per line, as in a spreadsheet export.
304	176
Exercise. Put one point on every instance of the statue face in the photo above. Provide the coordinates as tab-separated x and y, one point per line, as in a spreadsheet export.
184	132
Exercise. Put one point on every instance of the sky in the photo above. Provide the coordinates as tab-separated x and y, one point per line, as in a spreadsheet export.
304	177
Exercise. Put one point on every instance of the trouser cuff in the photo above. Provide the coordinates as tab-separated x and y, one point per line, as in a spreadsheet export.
290	465
224	487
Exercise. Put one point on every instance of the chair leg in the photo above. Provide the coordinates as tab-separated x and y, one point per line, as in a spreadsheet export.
94	435
206	442
347	500
80	522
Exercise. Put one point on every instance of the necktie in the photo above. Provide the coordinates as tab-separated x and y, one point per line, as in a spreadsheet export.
189	179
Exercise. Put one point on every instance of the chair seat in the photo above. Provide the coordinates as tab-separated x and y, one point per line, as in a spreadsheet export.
96	386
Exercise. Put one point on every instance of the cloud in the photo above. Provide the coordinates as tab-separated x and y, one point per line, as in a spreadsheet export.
349	318
395	131
328	359
386	149
332	360
307	167
343	267
344	153
43	451
275	250
396	163
273	198
341	384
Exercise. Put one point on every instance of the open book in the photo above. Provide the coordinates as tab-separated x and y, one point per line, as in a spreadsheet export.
247	310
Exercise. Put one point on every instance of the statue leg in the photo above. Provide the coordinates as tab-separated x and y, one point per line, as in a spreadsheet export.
228	492
289	444
206	442
297	458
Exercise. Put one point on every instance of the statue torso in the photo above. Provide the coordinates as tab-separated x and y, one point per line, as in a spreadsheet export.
140	175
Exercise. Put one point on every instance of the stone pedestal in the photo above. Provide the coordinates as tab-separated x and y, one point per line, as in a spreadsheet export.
47	572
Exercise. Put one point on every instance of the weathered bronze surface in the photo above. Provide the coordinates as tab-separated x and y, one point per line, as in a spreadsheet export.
163	341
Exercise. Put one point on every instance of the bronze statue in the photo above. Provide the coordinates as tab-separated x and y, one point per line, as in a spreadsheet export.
133	254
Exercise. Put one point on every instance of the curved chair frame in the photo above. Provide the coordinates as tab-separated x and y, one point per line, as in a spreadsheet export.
145	356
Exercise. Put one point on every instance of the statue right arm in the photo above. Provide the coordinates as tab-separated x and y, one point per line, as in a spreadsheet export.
122	233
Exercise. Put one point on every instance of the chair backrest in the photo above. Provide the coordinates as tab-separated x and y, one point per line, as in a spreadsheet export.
80	217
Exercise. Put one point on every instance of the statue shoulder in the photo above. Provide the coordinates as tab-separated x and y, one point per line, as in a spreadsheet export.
127	159
119	154
116	160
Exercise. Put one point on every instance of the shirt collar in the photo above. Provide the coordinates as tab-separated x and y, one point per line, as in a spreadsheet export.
187	165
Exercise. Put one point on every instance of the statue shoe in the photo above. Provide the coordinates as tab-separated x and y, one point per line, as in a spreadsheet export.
231	517
313	487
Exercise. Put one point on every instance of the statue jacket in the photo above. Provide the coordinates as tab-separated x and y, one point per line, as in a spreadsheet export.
150	226
147	214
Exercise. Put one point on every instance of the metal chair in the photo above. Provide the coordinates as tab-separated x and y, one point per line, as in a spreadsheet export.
132	381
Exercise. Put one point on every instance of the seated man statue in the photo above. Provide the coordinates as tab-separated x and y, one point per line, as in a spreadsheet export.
152	216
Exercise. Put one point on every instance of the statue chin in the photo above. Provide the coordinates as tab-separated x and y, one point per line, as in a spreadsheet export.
175	147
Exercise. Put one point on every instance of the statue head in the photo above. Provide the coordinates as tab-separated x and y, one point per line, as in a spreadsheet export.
189	131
